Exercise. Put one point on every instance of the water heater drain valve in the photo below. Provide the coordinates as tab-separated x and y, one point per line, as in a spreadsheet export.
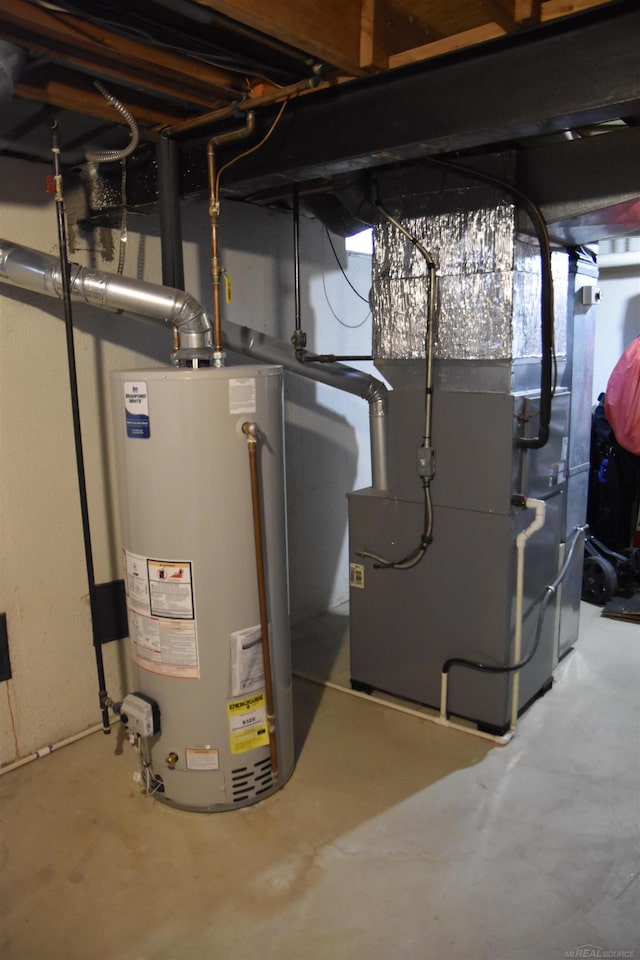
140	713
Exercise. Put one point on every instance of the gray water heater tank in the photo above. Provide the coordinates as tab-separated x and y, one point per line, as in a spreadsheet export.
190	575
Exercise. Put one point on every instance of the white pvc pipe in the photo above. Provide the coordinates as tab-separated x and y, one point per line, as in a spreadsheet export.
521	540
432	718
45	751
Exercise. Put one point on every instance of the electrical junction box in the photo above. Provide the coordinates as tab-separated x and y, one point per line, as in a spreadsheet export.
141	714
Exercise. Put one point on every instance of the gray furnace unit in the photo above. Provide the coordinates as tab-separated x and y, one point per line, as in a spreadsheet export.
459	601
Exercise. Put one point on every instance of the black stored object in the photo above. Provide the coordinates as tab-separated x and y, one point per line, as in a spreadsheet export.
606	572
111	611
614	486
5	662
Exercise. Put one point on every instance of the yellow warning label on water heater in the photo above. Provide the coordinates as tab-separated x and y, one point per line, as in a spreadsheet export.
248	723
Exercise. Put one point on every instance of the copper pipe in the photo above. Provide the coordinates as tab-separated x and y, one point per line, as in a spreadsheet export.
283	93
251	432
214	216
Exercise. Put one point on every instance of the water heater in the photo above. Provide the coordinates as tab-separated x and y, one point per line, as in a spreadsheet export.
189	563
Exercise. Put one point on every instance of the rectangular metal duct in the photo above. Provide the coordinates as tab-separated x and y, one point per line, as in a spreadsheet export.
489	287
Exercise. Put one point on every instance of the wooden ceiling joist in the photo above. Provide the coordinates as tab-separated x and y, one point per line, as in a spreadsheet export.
329	31
92	48
163	89
458	41
67	90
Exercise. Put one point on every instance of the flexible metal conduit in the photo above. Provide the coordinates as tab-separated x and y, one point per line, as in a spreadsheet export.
113	156
356	382
41	273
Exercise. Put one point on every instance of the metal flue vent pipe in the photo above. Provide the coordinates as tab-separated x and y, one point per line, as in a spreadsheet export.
269	350
40	272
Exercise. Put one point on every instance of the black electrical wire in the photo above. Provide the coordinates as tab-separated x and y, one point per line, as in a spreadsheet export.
299	338
132	24
77	432
413	558
342	270
544	603
548	369
333	358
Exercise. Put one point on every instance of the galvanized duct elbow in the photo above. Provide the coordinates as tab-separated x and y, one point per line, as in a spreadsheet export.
41	273
262	347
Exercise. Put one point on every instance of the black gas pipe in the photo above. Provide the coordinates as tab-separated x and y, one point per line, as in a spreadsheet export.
75	408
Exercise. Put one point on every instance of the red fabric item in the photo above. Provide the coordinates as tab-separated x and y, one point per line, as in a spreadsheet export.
622	399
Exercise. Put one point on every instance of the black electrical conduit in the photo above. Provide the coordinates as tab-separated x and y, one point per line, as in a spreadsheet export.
547	366
77	432
544	601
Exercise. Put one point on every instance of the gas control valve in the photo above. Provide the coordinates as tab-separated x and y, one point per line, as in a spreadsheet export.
140	714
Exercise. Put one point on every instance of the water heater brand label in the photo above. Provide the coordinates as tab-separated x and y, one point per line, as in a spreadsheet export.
136	408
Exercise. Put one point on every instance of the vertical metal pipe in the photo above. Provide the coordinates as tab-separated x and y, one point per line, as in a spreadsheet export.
251	432
214	216
299	338
378	443
296	254
170	219
77	432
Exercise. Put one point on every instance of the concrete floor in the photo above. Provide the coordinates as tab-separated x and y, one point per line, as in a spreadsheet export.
395	839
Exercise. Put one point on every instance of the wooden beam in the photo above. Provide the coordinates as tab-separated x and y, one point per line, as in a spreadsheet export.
69	39
552	9
68	90
448	44
327	31
385	30
515	13
525	11
496	12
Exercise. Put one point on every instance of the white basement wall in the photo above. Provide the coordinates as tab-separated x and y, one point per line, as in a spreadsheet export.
618	314
43	587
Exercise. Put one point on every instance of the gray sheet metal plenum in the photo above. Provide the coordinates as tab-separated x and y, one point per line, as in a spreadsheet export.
489	278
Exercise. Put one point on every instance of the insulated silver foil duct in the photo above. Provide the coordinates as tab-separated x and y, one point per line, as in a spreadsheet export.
489	288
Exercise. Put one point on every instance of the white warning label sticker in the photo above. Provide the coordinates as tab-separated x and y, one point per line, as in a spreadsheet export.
162	646
202	758
356	575
162	626
242	395
247	665
170	589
